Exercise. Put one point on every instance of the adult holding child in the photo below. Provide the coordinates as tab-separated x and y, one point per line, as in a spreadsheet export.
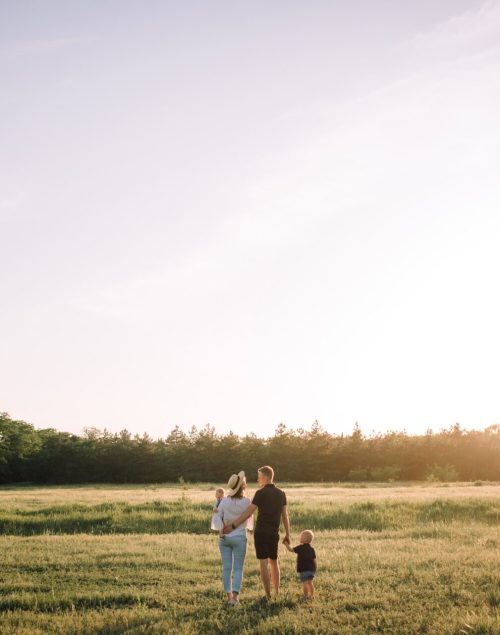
233	544
272	505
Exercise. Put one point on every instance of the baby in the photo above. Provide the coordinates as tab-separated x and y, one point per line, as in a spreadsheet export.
216	523
306	561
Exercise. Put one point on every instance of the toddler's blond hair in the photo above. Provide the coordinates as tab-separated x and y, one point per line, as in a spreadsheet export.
308	535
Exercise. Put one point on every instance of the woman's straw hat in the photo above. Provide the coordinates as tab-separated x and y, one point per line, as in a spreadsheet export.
235	482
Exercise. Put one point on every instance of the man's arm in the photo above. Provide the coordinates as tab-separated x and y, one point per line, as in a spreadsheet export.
241	518
286	524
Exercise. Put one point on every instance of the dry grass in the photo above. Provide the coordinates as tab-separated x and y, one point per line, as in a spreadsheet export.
440	577
392	582
33	497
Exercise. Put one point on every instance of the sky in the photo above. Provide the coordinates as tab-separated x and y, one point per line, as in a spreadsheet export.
241	214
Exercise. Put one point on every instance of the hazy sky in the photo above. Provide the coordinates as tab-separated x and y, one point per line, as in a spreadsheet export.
246	213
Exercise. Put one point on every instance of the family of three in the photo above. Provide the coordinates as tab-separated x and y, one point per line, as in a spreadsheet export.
233	515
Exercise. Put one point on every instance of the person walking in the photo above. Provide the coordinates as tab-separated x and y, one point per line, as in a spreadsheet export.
233	544
272	505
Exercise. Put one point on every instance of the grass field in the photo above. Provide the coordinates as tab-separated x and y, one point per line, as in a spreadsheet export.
392	559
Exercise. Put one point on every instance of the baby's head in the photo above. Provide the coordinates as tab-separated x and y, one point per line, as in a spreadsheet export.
219	493
306	536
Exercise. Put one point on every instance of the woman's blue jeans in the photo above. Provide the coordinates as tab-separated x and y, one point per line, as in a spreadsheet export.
233	550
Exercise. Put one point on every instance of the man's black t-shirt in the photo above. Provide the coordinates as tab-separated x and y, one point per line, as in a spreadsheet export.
305	557
270	500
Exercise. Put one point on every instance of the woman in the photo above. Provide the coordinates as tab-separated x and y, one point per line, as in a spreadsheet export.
233	545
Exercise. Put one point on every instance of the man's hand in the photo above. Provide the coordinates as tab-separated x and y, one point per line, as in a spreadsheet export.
241	518
286	543
227	529
286	524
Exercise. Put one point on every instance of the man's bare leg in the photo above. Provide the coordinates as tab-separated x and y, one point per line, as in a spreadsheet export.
264	576
275	574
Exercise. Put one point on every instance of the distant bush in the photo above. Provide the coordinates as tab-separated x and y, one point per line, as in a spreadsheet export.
442	473
387	473
380	474
358	474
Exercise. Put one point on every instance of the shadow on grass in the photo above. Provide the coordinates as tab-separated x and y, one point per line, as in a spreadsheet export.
52	605
271	607
244	618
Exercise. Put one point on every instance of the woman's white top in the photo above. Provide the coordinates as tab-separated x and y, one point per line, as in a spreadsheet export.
229	510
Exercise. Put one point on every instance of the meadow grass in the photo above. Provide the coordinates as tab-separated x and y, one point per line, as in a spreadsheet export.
29	496
391	565
184	515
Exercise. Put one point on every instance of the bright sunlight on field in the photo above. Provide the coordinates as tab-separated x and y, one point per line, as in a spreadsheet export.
105	559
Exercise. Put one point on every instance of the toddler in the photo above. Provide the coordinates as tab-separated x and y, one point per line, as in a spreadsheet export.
216	523
306	562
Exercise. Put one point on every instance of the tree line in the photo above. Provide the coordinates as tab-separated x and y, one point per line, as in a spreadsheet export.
50	456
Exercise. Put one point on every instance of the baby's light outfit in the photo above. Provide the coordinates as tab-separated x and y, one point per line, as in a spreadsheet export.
216	523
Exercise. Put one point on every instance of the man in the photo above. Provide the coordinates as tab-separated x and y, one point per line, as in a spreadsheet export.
271	503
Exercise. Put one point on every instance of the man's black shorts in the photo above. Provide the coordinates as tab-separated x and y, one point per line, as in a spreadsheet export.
266	545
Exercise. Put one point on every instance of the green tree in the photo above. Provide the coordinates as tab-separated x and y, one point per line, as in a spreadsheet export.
18	442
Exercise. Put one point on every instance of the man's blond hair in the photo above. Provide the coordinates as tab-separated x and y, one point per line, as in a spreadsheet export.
267	471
